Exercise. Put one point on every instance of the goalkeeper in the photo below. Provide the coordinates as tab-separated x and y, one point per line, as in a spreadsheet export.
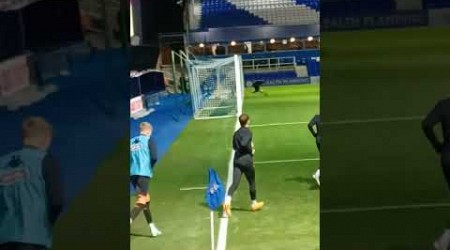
143	159
257	86
313	127
243	164
440	114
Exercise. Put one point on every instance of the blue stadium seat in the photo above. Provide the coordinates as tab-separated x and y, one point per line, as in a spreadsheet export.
221	13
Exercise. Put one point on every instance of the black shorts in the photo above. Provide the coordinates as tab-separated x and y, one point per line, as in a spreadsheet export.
140	183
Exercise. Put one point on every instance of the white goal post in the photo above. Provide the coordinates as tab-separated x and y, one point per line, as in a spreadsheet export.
216	86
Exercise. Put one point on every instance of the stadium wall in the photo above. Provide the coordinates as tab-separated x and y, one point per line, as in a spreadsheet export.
284	82
308	58
336	16
300	55
252	33
392	20
439	17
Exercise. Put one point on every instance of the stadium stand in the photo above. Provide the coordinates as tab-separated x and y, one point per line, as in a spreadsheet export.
229	13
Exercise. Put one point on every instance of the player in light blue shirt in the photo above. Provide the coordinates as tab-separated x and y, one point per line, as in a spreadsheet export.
142	161
30	191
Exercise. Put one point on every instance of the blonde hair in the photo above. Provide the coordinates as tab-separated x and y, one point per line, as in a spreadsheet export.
36	127
145	126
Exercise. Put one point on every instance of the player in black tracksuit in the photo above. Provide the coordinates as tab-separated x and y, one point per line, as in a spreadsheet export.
440	114
257	86
315	122
243	164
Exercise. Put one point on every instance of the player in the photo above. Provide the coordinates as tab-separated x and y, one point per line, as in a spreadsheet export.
143	159
440	114
315	122
257	86
30	190
243	164
443	243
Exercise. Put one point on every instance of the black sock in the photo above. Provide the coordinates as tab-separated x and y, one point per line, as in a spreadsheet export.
148	214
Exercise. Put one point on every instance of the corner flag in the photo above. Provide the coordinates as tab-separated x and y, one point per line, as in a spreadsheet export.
215	193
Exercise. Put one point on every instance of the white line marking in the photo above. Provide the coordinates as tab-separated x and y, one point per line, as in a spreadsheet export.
384	208
277	124
222	238
192	188
390	119
286	161
259	163
223	229
343	122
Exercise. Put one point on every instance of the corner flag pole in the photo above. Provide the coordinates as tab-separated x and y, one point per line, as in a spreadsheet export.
212	229
214	198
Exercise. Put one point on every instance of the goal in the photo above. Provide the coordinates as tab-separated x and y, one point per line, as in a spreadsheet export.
216	86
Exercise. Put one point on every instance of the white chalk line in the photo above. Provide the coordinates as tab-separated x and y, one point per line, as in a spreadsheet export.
223	228
192	188
256	163
277	124
286	161
222	237
385	208
344	122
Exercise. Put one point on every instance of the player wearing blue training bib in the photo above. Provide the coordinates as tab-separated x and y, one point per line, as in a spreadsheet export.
142	161
30	191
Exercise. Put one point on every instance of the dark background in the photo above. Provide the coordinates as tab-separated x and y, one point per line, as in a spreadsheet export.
160	16
157	17
42	25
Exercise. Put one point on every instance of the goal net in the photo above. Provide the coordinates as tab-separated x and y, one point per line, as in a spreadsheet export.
216	86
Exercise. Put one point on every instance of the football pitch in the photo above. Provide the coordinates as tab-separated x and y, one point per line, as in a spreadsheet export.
383	185
285	160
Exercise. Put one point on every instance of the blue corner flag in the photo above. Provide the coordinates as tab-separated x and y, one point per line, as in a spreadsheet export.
215	193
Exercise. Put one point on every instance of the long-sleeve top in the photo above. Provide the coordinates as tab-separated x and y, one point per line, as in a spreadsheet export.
315	122
440	114
243	146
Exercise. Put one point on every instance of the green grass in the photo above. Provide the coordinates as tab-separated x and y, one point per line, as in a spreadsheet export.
382	74
97	217
291	216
